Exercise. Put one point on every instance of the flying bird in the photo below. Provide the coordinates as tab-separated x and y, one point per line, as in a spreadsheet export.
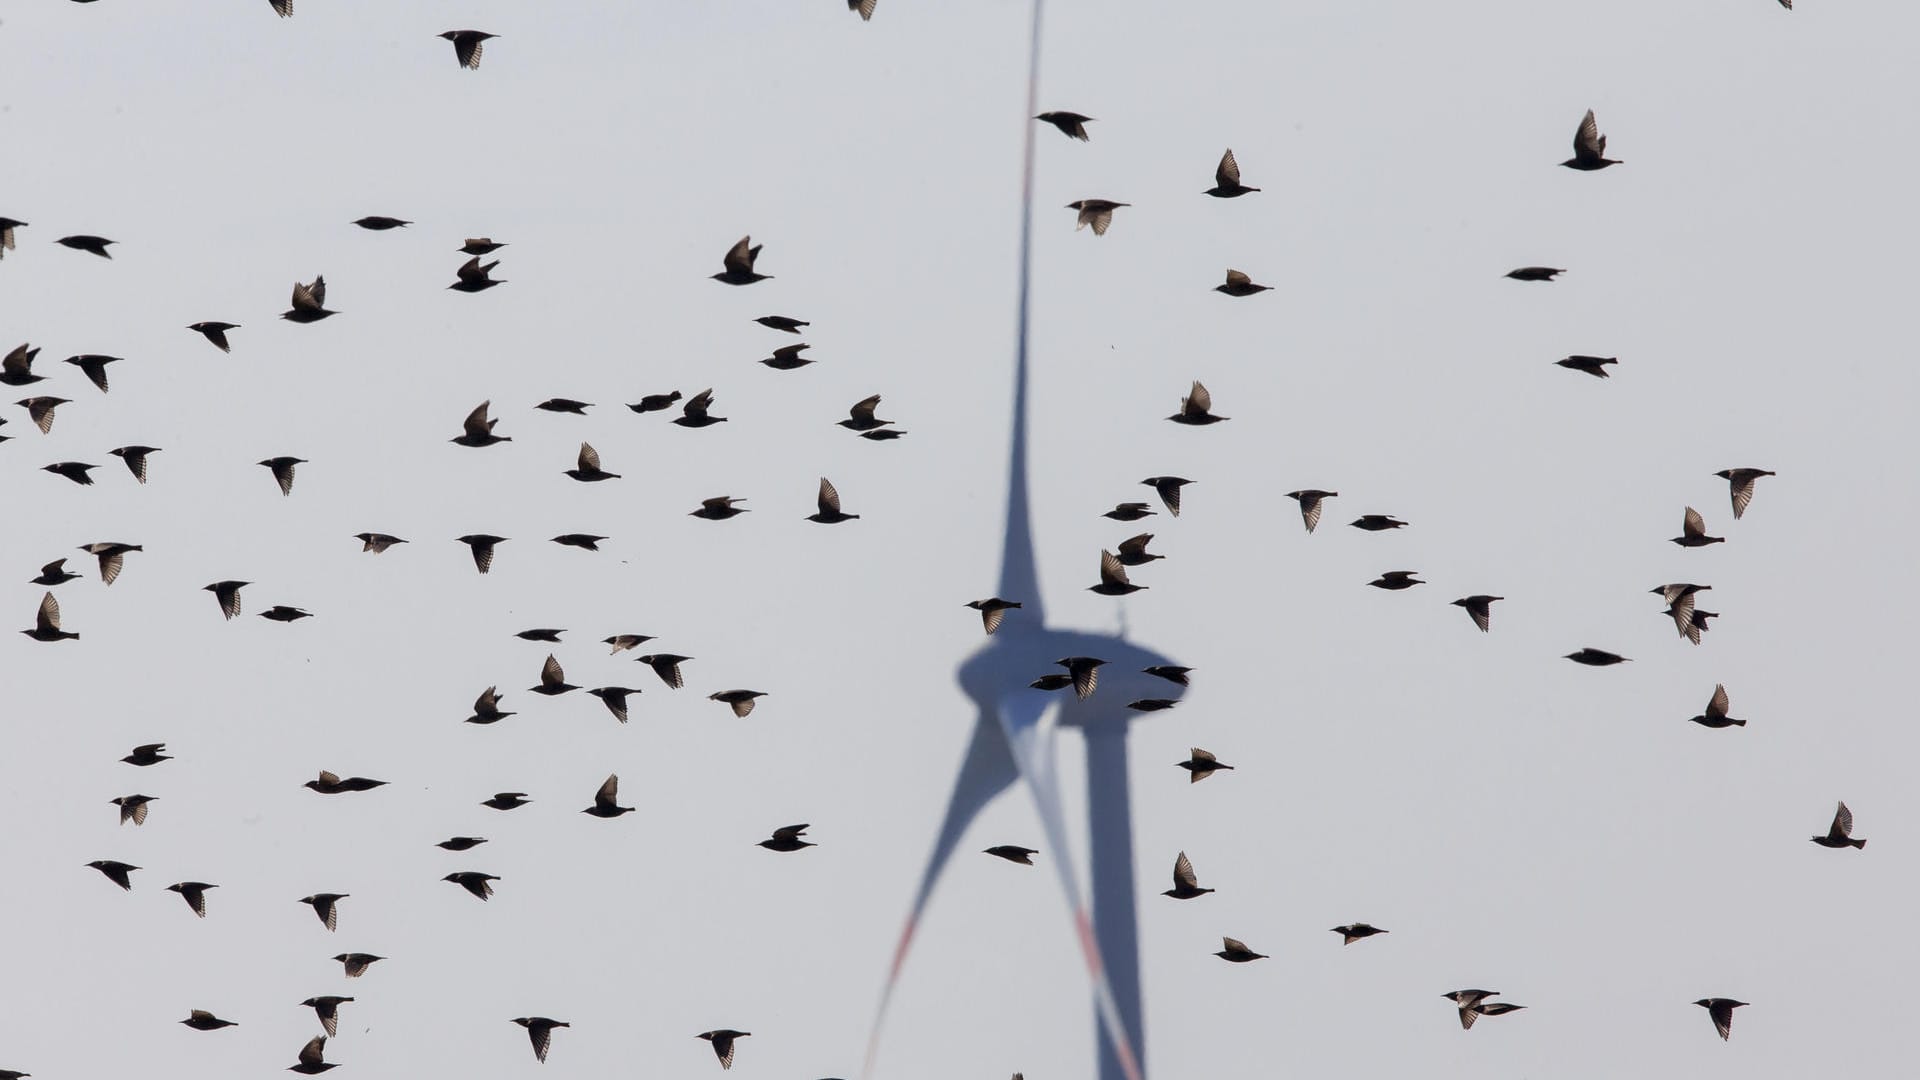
148	754
479	245
694	413
1353	932
7	225
1693	531
665	665
864	7
201	1019
542	633
507	800
46	624
308	301
467	45
655	402
136	459
565	405
282	468
376	542
473	276
722	1038
1741	482
482	546
1596	658
16	368
1840	833
788	358
606	801
1238	283
475	882
1186	885
1095	212
93	245
553	681
1395	580
1377	522
1479	608
195	894
1129	511
477	430
1226	179
1310	500
1113	578
1595	366
1589	147
718	508
540	1031
739	262
54	573
1173	673
215	332
112	557
75	471
116	872
1715	714
1013	853
1071	124
1155	704
330	784
622	642
1201	764
1534	273
1197	408
1085	672
587	470
326	906
829	506
782	322
1168	488
741	701
1720	1010
376	222
357	963
860	417
461	843
1133	551
1235	951
227	593
311	1057
992	610
883	434
40	411
283	613
615	699
327	1008
132	808
787	838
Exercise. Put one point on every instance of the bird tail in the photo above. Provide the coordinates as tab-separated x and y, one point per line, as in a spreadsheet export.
1858	843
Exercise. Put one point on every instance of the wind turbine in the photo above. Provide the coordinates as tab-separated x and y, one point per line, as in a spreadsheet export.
1013	740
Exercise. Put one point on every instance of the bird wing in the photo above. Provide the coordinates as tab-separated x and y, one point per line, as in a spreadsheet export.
698	404
1842	821
1717	705
476	423
790	832
48	619
1135	545
471	271
862	410
1693	525
609	792
739	258
1236	279
589	458
1183	875
314	1052
1228	174
550	673
1198	754
829	497
1111	572
1198	401
1742	490
1586	139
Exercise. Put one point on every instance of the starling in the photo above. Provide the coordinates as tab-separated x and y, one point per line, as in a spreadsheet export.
201	1019
1071	124
148	754
1534	273
116	872
1133	551
228	595
16	368
329	784
1155	704
1129	511
1592	365
326	906
1470	1013
860	417
475	882
553	681
1589	147
1690	620
1173	673
782	322
1597	658
132	808
1238	283
1226	182
479	245
1353	932
1377	522
1679	594
94	245
477	430
46	624
112	557
54	573
467	45
308	301
565	405
1113	578
587	470
992	610
882	434
376	223
718	508
195	894
625	641
1197	408
1693	531
543	633
1234	951
1168	488
376	542
665	665
1715	715
584	541
741	701
136	459
282	468
357	963
327	1008
1467	999
310	1057
1741	481
864	7
40	410
482	546
1839	834
829	506
739	264
694	413
655	402
1201	764
615	699
1095	212
75	471
1052	682
507	800
540	1030
7	225
787	357
722	1039
1720	1009
461	843
787	838
1186	885
215	332
1085	672
1479	607
283	613
1395	580
606	801
473	277
1013	853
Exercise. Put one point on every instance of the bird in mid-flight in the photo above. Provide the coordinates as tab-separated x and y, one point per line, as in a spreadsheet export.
1721	1010
722	1038
1071	124
738	264
1840	833
1741	482
540	1031
308	302
467	45
1196	409
1013	853
1589	147
1095	212
1201	764
1226	179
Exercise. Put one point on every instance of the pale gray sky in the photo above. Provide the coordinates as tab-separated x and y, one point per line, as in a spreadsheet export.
1519	823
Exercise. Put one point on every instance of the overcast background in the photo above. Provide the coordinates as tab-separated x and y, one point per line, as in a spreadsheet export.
1519	823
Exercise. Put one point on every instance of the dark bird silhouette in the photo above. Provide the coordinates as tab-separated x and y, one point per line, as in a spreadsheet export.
1534	273
1113	578
327	1008
1085	672
722	1038
92	245
54	573
46	623
1197	408
606	801
1168	488
1095	212
282	468
718	508
1377	522
587	469
655	402
1693	531
467	45
615	699
782	322
329	784
694	413
1238	283
1470	1013
136	459
1310	500
1071	124
116	871
1052	682
1592	365
625	641
1741	482
565	405
486	708
1353	932
215	332
112	557
864	7
543	633
1201	764
482	546
1186	885
1690	621
227	593
1479	608
540	1030
1720	1009
461	843
283	613
787	357
132	808
1589	147
739	262
1467	999
327	906
1173	673
311	1061
665	665
1395	580
475	882
883	434
377	223
1129	511
357	963
860	417
308	302
992	610
1596	658
1715	714
740	701
148	754
477	430
1235	951
7	225
507	800
75	471
195	894
828	501
787	838
1133	551
16	368
479	245
1226	180
553	681
40	410
584	541
376	542
473	276
1840	833
201	1019
1013	853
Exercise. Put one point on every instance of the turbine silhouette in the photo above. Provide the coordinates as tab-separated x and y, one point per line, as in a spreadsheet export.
1013	740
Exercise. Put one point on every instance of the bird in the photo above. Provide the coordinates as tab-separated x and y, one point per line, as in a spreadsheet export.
1589	147
1679	594
330	784
543	633
829	506
40	410
507	800
16	368
1689	620
1596	658
326	906
606	801
738	264
482	546
615	699
461	843
46	624
479	245
553	681
665	665
1479	608
1473	1004
1310	500
227	593
1693	531
136	459
1592	365
1377	522
860	417
787	838
782	322
376	222
1353	932
694	413
1129	511
655	402
1840	833
741	701
1721	1010
1085	672
467	45
864	7
75	471
1133	551
282	468
148	754
473	276
1715	714
311	1061
1155	704
215	332
1235	951
195	894
992	611
722	1038
1197	408
7	225
1173	673
477	430
376	542
1055	681
1534	273
327	1008
308	300
1113	578
357	963
202	1020
1238	283
587	469
718	508
565	405
540	1030
116	871
1071	124
1168	488
54	573
112	556
475	882
788	358
1013	853
622	642
132	808
283	613
1095	212
1226	179
1741	482
883	434
1186	886
1201	764
1395	580
93	245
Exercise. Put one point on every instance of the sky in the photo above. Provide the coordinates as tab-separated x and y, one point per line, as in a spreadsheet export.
1517	822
